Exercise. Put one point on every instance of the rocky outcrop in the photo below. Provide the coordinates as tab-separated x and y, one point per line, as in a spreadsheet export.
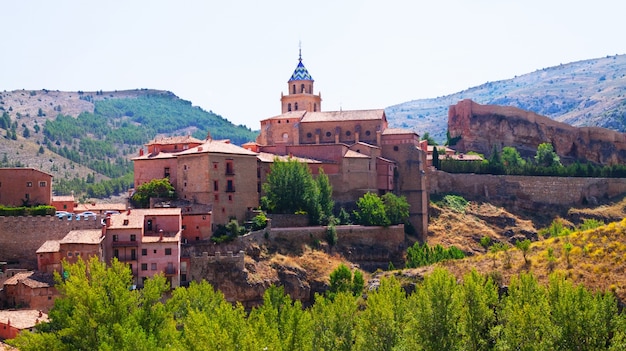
480	127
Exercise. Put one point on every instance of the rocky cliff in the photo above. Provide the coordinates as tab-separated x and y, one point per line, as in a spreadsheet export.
480	127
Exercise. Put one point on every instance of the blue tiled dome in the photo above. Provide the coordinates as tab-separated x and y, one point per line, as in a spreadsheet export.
300	73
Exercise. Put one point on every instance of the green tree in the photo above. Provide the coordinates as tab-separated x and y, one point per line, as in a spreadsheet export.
524	247
380	326
290	188
478	298
546	157
525	318
325	195
371	211
343	280
97	310
430	140
334	322
152	189
435	314
396	208
511	158
436	161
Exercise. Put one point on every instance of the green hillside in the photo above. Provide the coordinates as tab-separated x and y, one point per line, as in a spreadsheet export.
86	139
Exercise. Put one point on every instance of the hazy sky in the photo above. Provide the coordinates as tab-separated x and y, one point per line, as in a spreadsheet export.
235	57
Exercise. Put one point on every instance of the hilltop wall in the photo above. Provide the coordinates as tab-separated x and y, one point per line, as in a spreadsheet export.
480	127
527	192
20	237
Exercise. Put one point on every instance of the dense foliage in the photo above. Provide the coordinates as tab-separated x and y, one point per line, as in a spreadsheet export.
156	188
98	311
423	255
290	188
41	210
389	209
545	163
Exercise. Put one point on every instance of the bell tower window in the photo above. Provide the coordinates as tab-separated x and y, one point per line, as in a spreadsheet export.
315	107
289	107
293	89
302	89
296	106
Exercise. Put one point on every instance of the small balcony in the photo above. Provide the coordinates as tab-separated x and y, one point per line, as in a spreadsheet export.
170	271
125	243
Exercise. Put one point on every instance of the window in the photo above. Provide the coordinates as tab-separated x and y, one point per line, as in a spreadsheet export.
133	254
166	172
115	237
76	254
29	184
309	135
133	237
367	133
144	266
395	148
302	88
230	186
168	251
229	167
348	133
215	185
230	198
116	253
144	252
296	106
217	198
288	107
27	196
328	134
149	225
69	254
293	91
153	266
154	251
315	107
42	184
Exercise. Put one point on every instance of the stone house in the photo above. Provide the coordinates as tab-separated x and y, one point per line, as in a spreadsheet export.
14	321
25	186
30	289
148	240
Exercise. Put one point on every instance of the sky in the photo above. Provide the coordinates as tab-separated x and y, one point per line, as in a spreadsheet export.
235	57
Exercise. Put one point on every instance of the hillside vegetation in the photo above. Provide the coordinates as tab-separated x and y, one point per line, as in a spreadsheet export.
584	93
83	138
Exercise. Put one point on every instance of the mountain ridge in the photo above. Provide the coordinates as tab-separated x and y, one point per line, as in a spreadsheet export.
582	93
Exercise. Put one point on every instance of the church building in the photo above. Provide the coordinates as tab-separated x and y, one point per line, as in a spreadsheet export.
356	149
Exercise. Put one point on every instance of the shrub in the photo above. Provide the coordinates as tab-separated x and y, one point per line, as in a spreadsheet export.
259	221
422	255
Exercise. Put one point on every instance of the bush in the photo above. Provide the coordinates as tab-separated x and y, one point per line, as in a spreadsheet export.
422	255
41	210
455	202
259	221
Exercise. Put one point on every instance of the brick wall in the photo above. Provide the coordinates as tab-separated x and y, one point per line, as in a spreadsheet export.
20	237
527	191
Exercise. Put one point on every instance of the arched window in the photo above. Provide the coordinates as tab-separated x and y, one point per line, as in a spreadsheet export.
314	107
293	89
302	89
289	107
285	136
296	106
310	89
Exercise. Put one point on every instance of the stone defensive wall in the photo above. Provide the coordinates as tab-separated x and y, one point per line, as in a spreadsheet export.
526	191
207	266
20	237
371	247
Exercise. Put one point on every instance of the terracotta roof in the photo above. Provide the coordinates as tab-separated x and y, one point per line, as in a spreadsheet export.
167	238
354	154
49	246
99	207
389	131
63	198
217	146
22	169
32	279
83	236
174	140
136	216
288	115
22	319
268	157
336	116
151	156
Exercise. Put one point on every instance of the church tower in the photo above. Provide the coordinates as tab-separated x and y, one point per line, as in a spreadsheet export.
300	95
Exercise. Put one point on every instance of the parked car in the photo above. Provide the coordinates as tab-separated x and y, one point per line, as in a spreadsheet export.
86	215
64	215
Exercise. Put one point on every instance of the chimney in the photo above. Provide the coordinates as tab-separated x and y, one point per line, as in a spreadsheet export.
128	213
40	314
161	235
